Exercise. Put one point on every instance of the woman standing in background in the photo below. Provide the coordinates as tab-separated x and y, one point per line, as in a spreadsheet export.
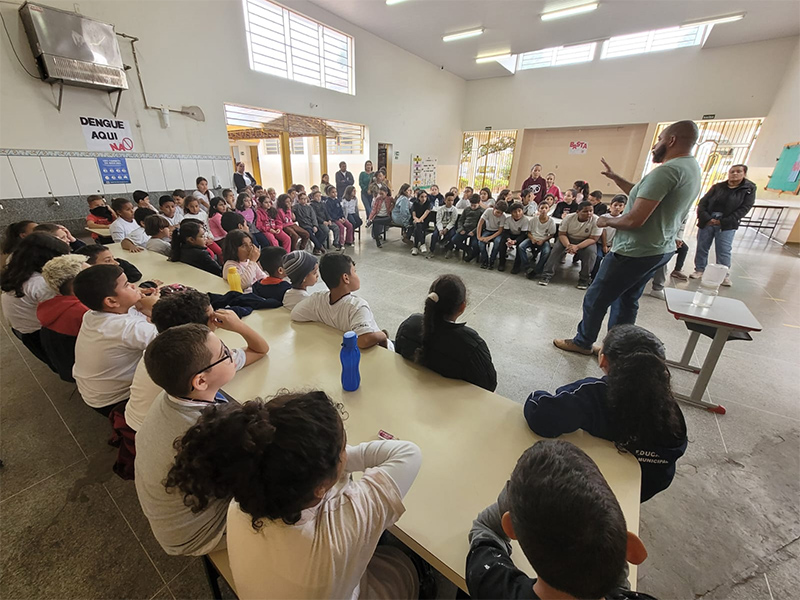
242	179
364	180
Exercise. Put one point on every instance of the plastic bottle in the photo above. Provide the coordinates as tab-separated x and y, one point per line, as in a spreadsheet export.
350	357
709	285
234	280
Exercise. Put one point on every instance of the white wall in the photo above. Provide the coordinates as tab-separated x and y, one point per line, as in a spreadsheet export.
731	82
195	53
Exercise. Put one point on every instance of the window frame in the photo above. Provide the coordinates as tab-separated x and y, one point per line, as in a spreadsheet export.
653	40
553	58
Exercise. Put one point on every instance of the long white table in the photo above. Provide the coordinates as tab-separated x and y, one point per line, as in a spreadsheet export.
470	438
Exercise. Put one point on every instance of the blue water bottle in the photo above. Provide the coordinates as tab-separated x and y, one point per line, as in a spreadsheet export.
350	356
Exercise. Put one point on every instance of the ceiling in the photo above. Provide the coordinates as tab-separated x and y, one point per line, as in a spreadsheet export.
514	25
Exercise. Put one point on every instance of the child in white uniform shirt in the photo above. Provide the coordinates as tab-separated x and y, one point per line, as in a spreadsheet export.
339	308
112	337
490	228
298	525
125	226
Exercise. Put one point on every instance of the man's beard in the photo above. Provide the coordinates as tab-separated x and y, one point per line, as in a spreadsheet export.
659	154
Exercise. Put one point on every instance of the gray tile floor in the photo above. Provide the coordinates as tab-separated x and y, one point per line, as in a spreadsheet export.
728	527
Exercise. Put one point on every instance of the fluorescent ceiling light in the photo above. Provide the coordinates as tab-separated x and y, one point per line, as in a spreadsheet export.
390	2
463	35
567	12
716	20
487	59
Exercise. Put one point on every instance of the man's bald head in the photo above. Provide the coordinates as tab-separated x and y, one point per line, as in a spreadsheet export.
684	131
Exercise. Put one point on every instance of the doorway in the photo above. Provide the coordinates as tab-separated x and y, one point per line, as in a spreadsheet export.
722	144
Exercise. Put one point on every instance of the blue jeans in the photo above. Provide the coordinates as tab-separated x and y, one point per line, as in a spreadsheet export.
543	251
723	242
619	285
366	200
446	238
467	243
318	239
496	242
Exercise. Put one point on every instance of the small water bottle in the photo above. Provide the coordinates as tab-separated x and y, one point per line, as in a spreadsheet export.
350	357
709	285
234	280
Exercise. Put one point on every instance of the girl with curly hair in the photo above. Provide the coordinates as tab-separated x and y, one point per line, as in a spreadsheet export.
632	406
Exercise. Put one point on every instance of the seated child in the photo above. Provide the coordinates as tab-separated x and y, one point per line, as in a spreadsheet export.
436	341
15	233
577	235
218	208
62	233
142	199
245	206
242	254
191	364
267	224
541	230
97	254
179	198
125	227
568	205
233	220
302	269
230	198
350	206
420	209
286	221
338	307
339	221
324	220
401	211
515	231
307	219
596	200
100	217
465	238
528	205
112	337
490	228
179	308
445	225
569	524
632	406
62	315
299	526
189	246
192	209
158	228
274	285
607	237
380	217
169	210
24	288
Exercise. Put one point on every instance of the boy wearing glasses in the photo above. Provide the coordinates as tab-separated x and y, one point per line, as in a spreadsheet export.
190	363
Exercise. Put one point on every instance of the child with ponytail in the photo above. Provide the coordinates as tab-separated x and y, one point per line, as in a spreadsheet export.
632	406
189	246
436	341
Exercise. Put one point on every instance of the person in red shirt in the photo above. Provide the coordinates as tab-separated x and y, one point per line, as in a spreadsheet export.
100	216
536	183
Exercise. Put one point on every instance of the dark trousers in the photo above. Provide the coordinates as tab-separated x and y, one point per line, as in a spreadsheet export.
619	285
467	243
380	225
518	239
355	219
487	258
420	230
261	240
436	237
317	238
33	342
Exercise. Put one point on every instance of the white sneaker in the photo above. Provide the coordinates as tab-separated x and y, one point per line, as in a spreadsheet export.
414	252
423	249
658	294
727	281
696	275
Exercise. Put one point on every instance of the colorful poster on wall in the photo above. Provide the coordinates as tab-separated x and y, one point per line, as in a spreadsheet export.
423	171
107	135
113	170
578	147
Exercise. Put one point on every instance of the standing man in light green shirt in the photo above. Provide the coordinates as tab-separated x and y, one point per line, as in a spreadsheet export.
645	238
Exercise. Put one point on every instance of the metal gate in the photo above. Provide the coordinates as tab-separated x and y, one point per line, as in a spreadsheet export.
486	158
721	145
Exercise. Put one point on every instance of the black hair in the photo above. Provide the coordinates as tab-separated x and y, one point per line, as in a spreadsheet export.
582	187
187	306
329	188
178	193
11	239
32	253
529	191
281	202
227	191
256	189
584	204
597	194
190	228
91	251
476	199
403	191
567	520
230	247
140	214
501	205
488	191
314	193
50	228
271	259
333	266
213	206
119	203
240	200
231	220
187	201
199	179
739	165
449	195
155	223
164	199
270	456
92	197
176	355
469	187
503	193
139	195
553	196
515	206
93	285
620	198
642	409
445	295
323	176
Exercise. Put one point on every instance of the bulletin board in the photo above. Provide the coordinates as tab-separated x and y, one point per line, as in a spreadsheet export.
786	175
423	171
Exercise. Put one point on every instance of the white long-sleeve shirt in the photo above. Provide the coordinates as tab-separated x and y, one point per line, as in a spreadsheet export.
326	553
446	218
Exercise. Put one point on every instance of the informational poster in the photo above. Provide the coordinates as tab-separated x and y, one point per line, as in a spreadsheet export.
107	135
578	147
423	171
113	170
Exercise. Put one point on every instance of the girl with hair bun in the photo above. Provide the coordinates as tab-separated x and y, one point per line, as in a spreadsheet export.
436	341
632	406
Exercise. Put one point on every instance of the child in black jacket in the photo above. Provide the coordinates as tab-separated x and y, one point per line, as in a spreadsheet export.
632	406
189	247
